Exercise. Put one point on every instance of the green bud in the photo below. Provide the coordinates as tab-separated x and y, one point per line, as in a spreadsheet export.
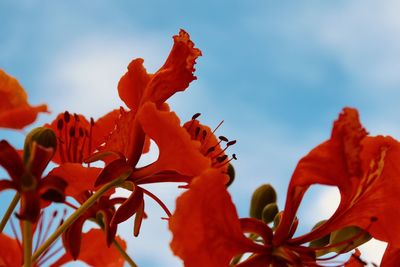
348	233
277	220
231	174
269	212
42	136
263	196
320	242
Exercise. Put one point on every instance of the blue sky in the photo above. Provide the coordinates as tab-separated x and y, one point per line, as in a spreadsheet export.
277	73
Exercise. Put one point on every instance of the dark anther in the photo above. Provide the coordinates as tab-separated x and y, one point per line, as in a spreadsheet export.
55	213
91	121
373	219
72	131
222	158
81	132
204	134
223	138
234	156
76	117
197	132
67	117
195	116
60	124
230	143
211	149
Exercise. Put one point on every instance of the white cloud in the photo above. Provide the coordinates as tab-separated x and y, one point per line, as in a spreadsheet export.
85	76
365	38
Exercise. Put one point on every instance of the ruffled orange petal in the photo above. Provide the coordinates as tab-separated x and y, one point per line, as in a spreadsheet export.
176	73
205	225
365	169
79	178
177	151
94	251
15	111
10	252
334	162
136	86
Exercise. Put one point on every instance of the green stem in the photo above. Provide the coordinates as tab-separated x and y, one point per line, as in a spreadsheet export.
9	211
124	254
77	213
27	242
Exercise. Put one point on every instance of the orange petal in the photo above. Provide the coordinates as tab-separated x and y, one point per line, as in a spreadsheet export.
133	84
15	111
178	152
205	226
79	178
177	71
333	162
10	252
94	251
365	169
391	257
137	86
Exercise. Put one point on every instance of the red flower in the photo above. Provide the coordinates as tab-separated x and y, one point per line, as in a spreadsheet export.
15	111
363	168
137	86
27	179
78	138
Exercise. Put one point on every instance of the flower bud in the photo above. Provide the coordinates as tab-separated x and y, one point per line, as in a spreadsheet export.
231	174
320	242
42	136
277	220
353	234
263	196
269	212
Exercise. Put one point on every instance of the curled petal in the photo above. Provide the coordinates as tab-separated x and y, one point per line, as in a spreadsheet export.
335	162
205	225
73	236
11	161
129	207
15	111
137	86
140	215
6	184
176	73
52	188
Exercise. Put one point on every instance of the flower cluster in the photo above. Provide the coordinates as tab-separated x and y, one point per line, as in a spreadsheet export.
57	165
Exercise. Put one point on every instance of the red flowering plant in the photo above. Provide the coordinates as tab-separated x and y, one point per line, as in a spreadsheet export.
365	170
205	226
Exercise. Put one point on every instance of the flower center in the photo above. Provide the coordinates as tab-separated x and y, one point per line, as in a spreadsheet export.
75	137
210	145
